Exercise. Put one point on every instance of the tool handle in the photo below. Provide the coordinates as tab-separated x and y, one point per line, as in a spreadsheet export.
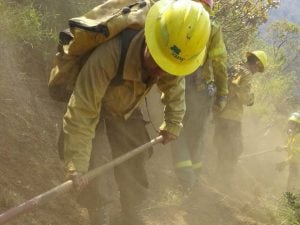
65	187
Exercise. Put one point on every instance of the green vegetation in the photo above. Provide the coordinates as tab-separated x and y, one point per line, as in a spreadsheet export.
283	210
276	90
34	24
240	20
23	24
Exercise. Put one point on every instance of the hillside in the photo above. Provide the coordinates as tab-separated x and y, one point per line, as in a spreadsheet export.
30	122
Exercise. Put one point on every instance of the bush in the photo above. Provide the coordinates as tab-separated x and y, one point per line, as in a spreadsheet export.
23	25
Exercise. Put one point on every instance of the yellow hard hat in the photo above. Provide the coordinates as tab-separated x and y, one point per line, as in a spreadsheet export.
176	33
295	117
262	56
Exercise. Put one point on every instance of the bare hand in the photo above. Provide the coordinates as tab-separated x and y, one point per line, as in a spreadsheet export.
167	136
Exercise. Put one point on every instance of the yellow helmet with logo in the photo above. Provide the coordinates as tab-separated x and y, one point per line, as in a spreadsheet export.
176	33
262	56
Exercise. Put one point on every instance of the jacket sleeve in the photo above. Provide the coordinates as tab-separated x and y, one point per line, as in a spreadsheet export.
295	145
242	88
173	97
83	110
216	62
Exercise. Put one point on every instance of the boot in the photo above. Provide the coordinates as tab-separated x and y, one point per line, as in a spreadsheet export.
99	216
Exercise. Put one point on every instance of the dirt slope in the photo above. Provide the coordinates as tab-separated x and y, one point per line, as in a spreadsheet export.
29	164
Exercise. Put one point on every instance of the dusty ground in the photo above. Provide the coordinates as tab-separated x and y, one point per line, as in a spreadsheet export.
29	164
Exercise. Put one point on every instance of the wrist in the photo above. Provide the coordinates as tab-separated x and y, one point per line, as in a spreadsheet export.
171	128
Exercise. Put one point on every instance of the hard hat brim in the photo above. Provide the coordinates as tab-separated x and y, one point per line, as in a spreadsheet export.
262	67
166	63
294	119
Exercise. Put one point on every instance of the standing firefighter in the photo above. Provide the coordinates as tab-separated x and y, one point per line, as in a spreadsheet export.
201	88
228	126
153	54
293	150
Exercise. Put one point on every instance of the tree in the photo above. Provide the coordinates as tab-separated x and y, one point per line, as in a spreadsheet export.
240	20
285	41
278	89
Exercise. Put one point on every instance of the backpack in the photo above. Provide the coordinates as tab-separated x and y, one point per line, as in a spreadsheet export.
87	32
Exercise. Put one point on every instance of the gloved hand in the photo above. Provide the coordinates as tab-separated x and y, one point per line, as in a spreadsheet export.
79	181
167	136
251	100
219	104
211	89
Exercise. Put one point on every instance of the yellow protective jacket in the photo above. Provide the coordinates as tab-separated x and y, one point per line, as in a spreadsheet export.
239	85
215	66
94	93
293	146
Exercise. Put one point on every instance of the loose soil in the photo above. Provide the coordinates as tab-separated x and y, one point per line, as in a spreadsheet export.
29	164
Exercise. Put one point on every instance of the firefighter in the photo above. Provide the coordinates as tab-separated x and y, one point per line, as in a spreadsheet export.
292	148
156	52
228	123
205	88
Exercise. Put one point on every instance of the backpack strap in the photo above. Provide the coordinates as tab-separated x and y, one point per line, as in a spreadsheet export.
126	38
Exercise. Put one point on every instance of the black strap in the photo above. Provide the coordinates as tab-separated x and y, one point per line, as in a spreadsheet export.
126	38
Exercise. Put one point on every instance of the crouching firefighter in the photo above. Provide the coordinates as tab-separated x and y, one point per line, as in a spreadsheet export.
159	54
292	148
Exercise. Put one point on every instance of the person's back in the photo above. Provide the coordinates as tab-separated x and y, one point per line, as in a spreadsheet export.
151	58
122	118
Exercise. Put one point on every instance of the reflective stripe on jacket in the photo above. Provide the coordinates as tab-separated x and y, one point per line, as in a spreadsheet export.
94	93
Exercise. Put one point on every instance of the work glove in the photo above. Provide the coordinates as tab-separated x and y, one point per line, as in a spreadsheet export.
219	104
167	136
211	89
79	181
251	100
